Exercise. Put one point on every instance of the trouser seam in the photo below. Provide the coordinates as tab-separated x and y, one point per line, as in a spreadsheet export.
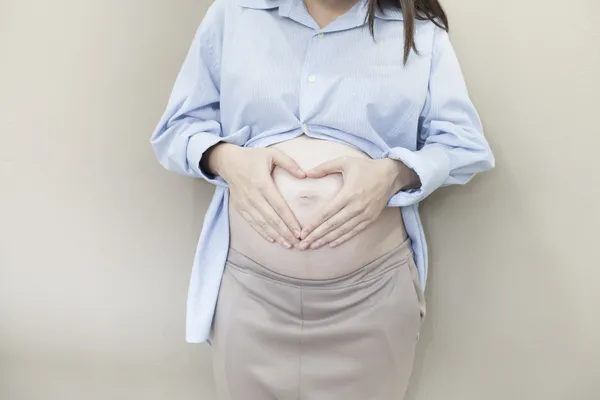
301	342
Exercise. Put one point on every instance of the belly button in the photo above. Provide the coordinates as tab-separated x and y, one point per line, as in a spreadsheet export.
306	198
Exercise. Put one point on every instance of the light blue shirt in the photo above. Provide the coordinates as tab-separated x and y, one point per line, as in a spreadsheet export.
260	72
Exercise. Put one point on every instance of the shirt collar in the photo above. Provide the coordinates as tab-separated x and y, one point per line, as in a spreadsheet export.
286	5
260	4
394	14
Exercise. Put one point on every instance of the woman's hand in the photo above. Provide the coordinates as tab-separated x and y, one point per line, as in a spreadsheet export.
368	186
254	195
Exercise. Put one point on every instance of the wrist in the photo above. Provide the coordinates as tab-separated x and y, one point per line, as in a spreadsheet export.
215	156
401	176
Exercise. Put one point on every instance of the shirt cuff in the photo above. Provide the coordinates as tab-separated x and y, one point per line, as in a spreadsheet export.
197	146
432	166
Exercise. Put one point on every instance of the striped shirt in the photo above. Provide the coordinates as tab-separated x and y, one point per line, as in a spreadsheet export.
260	72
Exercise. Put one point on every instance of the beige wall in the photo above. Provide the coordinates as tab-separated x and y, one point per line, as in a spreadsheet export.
96	240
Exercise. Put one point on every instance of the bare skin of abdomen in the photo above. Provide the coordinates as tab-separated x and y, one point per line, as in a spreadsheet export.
306	197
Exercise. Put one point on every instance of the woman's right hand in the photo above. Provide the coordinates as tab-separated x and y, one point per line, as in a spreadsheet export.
254	195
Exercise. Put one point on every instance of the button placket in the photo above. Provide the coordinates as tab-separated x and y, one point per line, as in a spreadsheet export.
309	78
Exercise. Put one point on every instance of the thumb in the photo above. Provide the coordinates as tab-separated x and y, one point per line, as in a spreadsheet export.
327	168
287	163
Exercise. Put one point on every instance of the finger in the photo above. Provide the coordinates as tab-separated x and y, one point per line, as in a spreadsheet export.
338	233
256	226
344	238
330	167
339	202
281	207
274	222
262	223
287	163
334	223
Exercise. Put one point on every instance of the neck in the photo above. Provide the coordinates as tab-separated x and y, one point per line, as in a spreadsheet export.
331	5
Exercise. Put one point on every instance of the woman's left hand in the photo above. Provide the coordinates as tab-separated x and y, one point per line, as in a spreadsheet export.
368	186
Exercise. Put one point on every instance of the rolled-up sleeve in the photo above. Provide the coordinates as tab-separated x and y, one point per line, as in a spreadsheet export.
191	123
451	146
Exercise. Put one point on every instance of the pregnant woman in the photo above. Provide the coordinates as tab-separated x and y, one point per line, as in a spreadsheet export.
322	124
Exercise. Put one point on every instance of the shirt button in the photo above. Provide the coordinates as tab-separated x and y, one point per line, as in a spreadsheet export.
312	78
305	127
321	35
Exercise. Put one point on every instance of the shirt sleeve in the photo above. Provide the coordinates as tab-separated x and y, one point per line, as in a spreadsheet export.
191	122
451	147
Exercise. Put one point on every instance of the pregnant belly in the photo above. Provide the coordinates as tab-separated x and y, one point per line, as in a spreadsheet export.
306	198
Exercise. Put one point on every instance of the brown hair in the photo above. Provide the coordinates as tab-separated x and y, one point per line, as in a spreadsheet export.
412	10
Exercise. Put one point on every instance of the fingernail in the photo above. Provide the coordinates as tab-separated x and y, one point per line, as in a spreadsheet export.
303	234
303	246
297	234
286	244
315	245
333	244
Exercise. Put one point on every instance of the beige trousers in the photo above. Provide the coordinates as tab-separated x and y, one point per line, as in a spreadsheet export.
349	338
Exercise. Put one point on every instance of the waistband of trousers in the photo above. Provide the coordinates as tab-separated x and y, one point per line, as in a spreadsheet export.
380	265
